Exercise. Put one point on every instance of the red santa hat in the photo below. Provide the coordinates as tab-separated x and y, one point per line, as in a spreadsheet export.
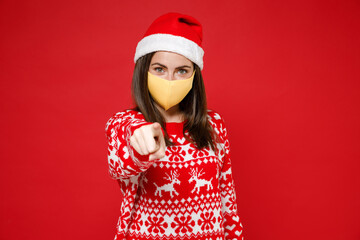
173	32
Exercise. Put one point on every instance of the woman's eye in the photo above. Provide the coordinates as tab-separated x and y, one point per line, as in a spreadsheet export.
158	69
182	71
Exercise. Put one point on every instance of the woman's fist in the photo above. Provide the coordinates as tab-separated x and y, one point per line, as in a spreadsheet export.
149	139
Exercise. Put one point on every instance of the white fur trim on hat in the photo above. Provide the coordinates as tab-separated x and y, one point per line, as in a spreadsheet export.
171	43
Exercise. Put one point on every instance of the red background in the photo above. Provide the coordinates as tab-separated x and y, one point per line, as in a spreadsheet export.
284	75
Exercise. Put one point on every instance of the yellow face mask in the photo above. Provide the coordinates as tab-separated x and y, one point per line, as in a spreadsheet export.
169	93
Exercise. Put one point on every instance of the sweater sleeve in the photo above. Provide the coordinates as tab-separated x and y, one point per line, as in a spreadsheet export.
123	160
232	223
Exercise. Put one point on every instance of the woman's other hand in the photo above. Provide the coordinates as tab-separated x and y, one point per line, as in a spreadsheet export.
149	139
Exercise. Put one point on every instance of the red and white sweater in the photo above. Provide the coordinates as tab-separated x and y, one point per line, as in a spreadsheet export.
189	194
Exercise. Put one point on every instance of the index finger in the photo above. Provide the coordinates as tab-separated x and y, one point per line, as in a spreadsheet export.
157	129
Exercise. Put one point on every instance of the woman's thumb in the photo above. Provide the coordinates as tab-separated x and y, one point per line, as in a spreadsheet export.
152	157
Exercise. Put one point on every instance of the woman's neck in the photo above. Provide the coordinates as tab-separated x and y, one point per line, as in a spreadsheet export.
173	114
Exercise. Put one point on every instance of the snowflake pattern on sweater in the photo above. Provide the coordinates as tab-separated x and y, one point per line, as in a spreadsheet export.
188	194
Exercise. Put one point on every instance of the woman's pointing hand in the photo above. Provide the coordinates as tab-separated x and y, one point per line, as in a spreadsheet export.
149	139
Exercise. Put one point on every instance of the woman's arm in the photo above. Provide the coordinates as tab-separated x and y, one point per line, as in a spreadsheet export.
232	222
124	162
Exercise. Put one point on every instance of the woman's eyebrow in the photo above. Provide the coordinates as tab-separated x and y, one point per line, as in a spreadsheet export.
159	65
184	66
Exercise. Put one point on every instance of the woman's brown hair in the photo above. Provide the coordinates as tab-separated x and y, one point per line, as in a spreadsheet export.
193	106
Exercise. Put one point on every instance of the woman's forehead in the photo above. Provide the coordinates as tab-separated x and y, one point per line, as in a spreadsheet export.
170	59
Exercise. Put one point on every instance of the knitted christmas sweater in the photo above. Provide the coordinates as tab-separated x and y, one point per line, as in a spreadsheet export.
188	194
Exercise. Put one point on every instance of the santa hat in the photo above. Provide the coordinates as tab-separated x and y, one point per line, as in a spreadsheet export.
173	32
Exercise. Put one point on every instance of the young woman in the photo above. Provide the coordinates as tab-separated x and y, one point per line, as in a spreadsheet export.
170	154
